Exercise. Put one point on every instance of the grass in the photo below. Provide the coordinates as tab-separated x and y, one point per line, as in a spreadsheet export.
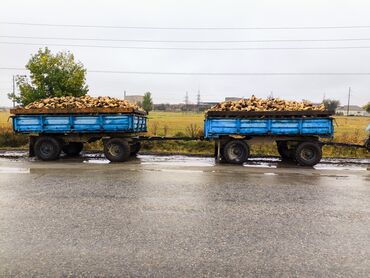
347	130
5	122
174	123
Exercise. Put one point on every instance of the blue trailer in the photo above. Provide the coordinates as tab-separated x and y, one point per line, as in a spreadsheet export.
219	127
79	123
296	133
54	131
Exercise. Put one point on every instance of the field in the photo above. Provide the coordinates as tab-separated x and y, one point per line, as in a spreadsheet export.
4	123
347	130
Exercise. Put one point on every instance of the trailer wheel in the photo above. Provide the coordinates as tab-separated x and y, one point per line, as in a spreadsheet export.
283	150
308	153
367	144
135	148
117	150
73	148
236	152
47	148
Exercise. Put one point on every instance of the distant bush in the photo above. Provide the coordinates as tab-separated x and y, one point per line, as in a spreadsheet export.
193	130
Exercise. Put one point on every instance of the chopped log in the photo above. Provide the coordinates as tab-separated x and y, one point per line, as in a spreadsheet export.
271	104
70	102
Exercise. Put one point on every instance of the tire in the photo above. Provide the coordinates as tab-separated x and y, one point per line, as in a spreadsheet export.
135	148
308	153
236	152
283	150
73	148
367	144
47	148
117	150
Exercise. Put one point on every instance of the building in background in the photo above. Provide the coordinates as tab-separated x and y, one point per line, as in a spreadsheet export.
233	98
182	107
204	105
133	98
354	110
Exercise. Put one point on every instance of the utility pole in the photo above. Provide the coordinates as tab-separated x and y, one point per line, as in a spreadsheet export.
349	99
186	100
198	98
13	91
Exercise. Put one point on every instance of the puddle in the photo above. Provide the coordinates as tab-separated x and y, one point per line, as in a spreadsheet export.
11	170
176	160
260	165
96	161
339	164
269	159
13	154
340	167
270	174
346	161
181	171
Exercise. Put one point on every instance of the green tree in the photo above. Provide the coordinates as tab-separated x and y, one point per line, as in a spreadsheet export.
367	107
331	104
147	103
51	76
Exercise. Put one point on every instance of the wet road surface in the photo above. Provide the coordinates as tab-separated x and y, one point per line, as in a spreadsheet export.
179	216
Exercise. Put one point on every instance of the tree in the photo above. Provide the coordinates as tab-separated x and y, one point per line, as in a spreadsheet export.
331	104
147	103
367	107
51	76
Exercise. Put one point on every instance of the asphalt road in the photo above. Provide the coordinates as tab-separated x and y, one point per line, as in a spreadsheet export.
175	216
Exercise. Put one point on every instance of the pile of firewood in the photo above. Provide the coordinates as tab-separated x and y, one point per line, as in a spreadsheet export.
70	102
271	104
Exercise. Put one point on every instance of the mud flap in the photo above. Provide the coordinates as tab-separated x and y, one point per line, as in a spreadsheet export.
31	143
218	157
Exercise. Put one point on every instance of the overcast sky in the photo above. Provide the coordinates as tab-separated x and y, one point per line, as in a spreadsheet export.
172	88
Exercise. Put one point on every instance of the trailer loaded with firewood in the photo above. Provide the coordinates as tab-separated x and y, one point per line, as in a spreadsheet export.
57	125
64	124
296	133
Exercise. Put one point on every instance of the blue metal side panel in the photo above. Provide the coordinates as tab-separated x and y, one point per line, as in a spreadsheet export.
79	123
117	123
87	124
225	126
215	127
139	123
56	123
222	126
27	124
254	126
317	126
285	126
136	123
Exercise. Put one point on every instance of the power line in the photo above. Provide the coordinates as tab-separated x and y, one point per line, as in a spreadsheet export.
220	73
184	41
187	48
187	28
